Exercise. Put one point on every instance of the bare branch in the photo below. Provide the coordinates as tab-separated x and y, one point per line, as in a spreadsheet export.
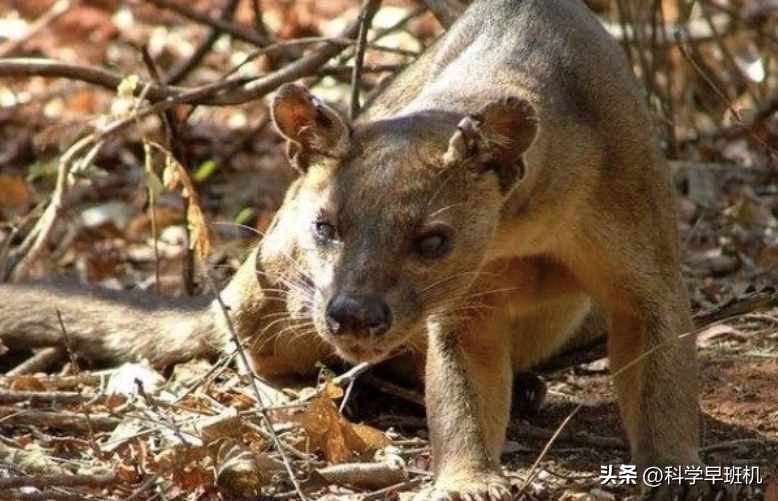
44	481
236	31
228	92
369	8
181	71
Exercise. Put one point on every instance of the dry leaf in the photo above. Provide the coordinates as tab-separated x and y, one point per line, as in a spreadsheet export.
225	425
180	456
14	192
372	439
337	438
173	176
27	383
332	391
192	477
241	471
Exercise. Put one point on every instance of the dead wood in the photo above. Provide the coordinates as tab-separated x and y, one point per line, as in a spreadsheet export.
41	397
45	481
367	475
61	420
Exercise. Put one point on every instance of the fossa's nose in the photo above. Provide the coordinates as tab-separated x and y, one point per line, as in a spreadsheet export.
358	315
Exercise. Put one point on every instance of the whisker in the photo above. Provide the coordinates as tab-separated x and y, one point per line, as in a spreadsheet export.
454	276
441	210
238	225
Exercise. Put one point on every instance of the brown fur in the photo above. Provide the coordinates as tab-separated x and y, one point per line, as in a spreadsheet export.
522	136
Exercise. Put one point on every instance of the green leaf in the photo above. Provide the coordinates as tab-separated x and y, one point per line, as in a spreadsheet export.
204	171
244	215
42	169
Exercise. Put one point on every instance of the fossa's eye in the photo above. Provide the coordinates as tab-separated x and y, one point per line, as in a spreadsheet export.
324	231
434	244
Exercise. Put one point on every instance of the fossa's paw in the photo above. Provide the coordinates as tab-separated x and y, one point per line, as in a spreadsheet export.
476	487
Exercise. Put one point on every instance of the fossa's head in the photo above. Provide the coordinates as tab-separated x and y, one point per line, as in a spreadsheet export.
390	219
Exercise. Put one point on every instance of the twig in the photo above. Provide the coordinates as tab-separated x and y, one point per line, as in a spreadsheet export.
181	71
62	420
371	475
62	382
227	92
152	201
378	36
262	410
40	361
351	375
236	31
30	67
36	240
74	365
533	471
709	79
5	246
171	423
368	11
761	300
726	52
43	496
168	119
694	31
48	397
44	481
259	22
290	449
382	493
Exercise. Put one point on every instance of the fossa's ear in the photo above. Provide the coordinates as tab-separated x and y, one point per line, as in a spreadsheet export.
495	139
310	127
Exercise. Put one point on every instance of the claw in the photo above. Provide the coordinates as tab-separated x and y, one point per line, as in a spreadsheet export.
499	493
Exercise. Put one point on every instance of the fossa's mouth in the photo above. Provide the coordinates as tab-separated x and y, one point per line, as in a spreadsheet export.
365	349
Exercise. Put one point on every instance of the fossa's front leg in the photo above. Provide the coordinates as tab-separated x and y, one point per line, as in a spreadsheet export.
468	392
